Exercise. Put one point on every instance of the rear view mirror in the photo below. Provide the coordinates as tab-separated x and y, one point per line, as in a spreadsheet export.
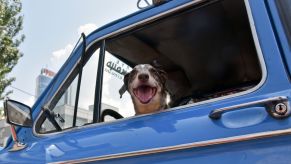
17	113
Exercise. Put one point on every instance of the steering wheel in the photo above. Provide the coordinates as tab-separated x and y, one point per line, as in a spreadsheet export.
110	112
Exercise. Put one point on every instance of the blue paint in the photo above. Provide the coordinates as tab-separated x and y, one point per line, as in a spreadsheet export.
244	118
175	127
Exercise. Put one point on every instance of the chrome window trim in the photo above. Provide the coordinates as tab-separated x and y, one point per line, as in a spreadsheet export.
257	46
219	141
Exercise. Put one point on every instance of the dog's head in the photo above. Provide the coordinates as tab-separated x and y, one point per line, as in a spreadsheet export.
146	86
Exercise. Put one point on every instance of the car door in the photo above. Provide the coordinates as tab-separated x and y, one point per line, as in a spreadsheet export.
250	128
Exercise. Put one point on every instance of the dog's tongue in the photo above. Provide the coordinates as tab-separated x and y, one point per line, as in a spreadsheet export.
145	93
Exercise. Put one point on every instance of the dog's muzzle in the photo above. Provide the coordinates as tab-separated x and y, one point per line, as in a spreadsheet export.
145	93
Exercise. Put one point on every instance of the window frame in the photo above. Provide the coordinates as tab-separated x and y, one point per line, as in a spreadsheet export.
98	85
80	72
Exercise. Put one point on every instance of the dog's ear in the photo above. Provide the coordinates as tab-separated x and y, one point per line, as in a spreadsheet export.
124	87
163	76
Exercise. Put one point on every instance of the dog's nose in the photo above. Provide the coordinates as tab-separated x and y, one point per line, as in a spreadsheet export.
143	77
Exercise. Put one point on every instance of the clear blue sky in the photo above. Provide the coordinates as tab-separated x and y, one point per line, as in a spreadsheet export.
52	27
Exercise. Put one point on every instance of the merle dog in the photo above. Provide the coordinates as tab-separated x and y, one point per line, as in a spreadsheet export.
146	85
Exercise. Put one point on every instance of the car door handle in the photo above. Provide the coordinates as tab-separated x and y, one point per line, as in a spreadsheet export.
277	107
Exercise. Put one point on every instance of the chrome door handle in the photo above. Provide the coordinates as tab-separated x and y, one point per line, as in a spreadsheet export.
277	107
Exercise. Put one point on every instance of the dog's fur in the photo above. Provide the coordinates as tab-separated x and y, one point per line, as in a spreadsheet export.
147	87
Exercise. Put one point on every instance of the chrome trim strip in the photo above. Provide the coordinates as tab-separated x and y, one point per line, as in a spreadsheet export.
257	45
219	141
216	113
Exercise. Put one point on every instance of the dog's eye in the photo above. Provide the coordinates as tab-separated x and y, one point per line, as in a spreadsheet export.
158	74
152	70
133	73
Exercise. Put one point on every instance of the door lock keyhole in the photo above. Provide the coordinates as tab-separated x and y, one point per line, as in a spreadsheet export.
281	109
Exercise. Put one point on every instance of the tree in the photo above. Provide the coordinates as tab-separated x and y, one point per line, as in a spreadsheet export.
10	39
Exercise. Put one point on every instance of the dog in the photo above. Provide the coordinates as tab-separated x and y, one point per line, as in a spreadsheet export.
147	88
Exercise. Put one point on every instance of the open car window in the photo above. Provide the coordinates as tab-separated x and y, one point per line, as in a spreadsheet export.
208	52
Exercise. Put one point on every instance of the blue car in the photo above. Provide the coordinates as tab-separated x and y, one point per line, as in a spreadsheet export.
228	64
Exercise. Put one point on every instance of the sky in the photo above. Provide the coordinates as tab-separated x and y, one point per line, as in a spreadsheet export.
51	29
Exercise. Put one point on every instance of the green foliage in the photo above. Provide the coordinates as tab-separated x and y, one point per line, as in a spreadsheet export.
10	39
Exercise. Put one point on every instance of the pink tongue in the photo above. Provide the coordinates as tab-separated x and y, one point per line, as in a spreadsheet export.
144	94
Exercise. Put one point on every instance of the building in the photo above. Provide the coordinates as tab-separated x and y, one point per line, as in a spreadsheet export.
43	80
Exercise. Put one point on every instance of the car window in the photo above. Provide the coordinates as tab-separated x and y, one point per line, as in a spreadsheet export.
205	59
64	109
